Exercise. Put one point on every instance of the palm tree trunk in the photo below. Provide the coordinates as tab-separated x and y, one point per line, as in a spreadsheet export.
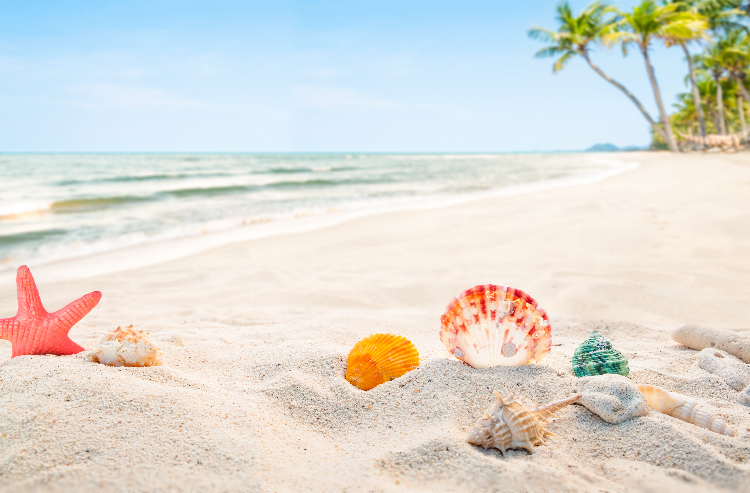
742	95
657	94
715	116
720	108
743	89
635	101
696	94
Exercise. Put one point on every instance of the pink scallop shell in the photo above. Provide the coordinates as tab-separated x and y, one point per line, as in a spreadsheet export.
490	325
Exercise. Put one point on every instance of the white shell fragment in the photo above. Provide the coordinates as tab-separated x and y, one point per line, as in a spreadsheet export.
126	347
736	343
613	398
732	370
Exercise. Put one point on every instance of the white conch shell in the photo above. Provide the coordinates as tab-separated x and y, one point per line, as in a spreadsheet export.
490	325
507	424
126	347
684	408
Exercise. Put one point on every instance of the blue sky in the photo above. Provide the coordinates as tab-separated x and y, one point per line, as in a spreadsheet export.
289	76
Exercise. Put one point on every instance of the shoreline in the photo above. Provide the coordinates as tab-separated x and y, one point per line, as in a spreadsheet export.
150	253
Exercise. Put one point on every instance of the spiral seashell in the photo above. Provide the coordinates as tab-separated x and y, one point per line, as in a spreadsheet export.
508	424
126	347
380	358
684	408
595	356
490	325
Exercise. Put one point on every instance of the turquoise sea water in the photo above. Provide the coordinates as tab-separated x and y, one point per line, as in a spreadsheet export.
61	206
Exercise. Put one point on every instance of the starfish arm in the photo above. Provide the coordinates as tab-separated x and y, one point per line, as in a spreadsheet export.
61	347
71	314
6	327
29	302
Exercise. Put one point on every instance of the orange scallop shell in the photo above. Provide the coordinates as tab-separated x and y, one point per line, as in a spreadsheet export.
380	358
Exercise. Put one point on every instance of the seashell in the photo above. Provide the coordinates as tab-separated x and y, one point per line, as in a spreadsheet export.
595	356
508	424
684	408
613	398
380	358
729	368
126	347
490	325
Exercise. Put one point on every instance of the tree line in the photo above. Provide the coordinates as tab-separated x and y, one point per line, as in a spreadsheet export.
712	35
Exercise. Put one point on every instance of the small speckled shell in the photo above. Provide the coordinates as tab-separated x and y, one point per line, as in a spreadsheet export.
380	358
595	356
127	347
684	408
490	325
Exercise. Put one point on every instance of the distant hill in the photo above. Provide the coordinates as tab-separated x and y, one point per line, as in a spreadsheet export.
612	148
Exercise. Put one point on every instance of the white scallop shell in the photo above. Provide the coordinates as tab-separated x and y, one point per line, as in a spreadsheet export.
490	325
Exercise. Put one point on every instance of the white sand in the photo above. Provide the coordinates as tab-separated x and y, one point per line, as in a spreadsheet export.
256	398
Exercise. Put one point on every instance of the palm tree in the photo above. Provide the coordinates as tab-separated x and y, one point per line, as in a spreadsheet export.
575	36
736	48
711	10
648	22
685	116
741	113
694	90
736	60
722	16
712	61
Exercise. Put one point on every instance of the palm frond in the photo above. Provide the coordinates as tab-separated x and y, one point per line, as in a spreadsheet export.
542	34
561	62
574	33
550	51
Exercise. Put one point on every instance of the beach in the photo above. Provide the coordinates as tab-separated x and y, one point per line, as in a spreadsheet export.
255	335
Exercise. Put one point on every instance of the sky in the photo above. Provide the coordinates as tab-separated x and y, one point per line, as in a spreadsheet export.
308	76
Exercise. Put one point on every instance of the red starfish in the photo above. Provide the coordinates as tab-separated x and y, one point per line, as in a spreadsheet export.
33	330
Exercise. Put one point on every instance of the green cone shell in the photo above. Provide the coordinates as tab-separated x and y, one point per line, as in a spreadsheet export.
596	357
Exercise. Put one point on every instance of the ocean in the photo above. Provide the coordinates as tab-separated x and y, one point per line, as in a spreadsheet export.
55	207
